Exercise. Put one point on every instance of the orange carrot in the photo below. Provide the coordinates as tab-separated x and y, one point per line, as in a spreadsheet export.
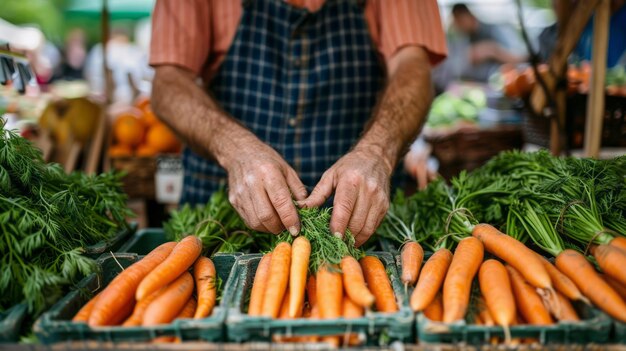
300	252
140	308
487	318
123	313
258	286
562	283
329	292
284	307
619	242
566	311
458	283
617	286
169	304
434	311
529	303
85	311
379	284
431	279
206	286
277	280
478	320
182	257
515	253
495	287
122	289
333	341
412	255
354	282
574	265
351	310
311	291
611	260
188	310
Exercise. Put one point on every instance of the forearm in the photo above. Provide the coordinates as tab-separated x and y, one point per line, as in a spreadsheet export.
195	116
402	110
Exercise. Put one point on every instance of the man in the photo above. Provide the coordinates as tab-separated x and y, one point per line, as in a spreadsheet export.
291	92
489	45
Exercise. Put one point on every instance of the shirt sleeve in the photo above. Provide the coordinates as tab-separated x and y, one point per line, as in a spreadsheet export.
411	22
181	34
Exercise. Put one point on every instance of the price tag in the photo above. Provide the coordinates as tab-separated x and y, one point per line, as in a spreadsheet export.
169	179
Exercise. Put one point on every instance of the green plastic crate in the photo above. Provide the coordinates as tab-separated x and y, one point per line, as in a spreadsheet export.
618	335
594	327
144	241
55	325
112	245
241	327
11	322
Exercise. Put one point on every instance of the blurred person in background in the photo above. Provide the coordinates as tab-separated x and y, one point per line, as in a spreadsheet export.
74	56
482	48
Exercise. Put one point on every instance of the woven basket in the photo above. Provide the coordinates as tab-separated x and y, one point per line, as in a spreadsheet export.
139	179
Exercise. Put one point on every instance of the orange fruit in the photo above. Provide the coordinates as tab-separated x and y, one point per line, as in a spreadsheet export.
148	118
128	130
146	151
161	138
120	151
142	101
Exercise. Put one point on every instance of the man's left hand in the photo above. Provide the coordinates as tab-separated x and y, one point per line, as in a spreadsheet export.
361	183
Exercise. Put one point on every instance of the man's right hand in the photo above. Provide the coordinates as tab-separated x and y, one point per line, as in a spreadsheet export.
261	184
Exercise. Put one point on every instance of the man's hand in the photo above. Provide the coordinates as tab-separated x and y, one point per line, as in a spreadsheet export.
261	185
361	180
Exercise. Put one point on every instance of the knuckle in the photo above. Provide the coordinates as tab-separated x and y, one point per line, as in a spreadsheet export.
354	178
265	216
372	186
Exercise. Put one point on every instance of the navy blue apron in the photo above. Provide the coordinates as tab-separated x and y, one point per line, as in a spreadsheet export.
304	83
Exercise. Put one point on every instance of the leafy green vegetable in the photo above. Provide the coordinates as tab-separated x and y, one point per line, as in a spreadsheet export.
218	225
47	219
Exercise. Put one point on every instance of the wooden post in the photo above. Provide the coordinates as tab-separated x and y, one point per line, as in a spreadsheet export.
108	79
595	100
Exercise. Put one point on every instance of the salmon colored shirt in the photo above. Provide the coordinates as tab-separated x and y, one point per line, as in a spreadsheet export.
196	34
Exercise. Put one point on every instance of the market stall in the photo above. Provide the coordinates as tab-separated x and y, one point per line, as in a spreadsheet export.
505	248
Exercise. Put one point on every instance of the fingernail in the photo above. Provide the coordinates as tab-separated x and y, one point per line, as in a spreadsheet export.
338	235
293	230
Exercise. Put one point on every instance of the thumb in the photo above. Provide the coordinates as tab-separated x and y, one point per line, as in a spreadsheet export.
321	193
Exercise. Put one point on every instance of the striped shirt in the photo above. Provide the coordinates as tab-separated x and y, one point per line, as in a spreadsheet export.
196	34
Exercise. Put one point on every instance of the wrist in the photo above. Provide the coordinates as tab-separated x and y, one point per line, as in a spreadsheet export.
386	155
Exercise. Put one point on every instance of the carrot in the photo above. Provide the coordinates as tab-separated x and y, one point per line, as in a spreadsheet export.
412	255
562	283
529	303
354	282
329	292
169	304
284	308
434	310
206	286
619	242
487	318
333	341
277	280
258	286
495	287
188	310
574	265
311	291
122	289
458	283
123	313
431	279
140	308
612	261
83	314
566	310
617	286
182	257
379	284
477	320
515	254
351	309
300	252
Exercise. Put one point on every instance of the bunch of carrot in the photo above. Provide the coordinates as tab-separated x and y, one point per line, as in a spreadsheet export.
282	288
527	288
157	289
